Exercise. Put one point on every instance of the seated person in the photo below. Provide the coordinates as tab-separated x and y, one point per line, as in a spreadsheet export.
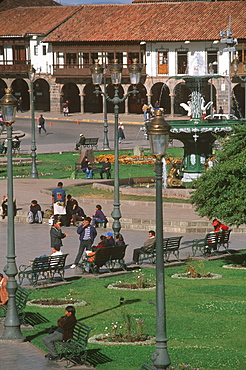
56	251
119	240
5	207
218	226
4	296
35	214
78	214
110	239
149	242
63	332
86	167
106	167
99	217
90	255
80	142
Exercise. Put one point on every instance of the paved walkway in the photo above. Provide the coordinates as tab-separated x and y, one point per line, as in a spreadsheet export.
33	240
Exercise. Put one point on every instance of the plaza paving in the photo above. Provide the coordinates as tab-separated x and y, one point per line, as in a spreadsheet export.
33	240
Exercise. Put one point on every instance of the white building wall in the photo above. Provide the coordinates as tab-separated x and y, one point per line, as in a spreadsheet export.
42	63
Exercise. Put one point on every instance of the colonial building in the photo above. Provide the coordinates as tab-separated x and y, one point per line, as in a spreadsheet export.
170	40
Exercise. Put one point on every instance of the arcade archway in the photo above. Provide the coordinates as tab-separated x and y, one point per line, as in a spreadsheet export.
70	93
20	89
110	106
182	95
42	95
160	92
93	103
239	100
136	102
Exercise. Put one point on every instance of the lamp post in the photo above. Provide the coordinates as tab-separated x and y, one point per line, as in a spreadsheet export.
235	68
115	72
34	171
12	323
211	72
158	132
105	120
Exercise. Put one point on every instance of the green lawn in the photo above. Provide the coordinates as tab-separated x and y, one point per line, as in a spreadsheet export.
205	318
60	166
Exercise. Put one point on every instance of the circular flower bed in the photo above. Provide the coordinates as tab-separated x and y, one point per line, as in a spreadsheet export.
187	276
129	286
115	340
51	302
234	267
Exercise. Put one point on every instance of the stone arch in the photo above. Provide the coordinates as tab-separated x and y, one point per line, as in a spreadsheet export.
93	103
70	93
41	95
239	100
3	86
21	89
182	95
161	93
136	102
207	95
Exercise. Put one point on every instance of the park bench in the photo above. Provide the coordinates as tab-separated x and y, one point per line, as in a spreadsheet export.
148	253
21	300
206	245
90	142
223	239
96	168
171	246
74	349
43	267
107	257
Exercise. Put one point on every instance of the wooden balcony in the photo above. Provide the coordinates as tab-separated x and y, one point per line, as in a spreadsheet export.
76	71
13	68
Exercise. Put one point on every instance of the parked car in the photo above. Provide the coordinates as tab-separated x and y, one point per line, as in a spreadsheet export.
218	116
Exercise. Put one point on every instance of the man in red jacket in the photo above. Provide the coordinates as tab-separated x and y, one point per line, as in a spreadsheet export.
218	226
63	332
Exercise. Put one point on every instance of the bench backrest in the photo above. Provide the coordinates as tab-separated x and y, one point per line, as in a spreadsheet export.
102	256
57	262
223	236
118	252
172	243
21	298
41	264
211	239
91	141
147	367
81	333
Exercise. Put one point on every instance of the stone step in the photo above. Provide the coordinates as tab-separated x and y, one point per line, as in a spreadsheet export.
170	226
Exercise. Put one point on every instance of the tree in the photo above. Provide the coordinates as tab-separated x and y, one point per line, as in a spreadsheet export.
221	191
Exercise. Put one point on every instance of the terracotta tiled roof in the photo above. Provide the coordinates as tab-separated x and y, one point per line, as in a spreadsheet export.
10	4
34	20
152	22
169	1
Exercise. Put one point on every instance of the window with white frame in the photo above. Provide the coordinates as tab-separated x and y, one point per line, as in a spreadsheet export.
163	62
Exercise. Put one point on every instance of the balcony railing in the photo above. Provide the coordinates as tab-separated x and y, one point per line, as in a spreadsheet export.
76	70
13	67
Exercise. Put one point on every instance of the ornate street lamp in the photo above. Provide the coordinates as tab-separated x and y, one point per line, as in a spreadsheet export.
105	118
235	69
211	72
34	171
12	324
115	72
158	131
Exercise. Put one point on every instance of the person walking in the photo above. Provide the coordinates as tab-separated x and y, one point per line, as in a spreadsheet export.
41	122
87	234
121	135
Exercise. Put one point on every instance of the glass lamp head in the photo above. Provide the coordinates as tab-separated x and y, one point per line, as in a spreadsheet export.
96	73
8	104
158	131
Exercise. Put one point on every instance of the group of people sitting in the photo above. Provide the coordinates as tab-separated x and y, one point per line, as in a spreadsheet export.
87	168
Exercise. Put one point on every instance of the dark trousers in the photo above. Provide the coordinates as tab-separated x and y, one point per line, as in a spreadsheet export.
136	253
84	244
105	171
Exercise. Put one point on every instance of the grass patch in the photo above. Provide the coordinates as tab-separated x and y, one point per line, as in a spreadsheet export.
87	191
205	318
